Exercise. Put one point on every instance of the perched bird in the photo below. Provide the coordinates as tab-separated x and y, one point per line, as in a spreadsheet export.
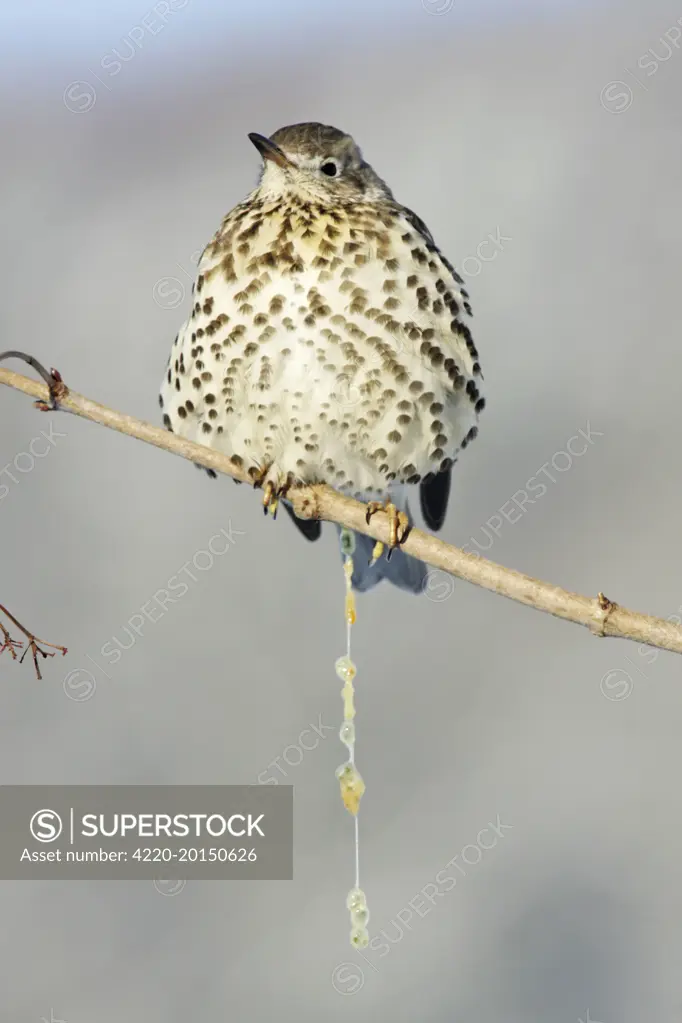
328	343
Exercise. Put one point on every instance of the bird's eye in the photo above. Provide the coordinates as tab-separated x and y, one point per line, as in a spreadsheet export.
329	168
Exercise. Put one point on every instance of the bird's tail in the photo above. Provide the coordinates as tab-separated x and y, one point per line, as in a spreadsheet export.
402	569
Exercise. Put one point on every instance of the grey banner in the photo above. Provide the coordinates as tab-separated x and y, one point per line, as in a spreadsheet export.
138	832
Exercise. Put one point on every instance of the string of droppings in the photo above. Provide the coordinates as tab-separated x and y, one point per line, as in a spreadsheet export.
352	785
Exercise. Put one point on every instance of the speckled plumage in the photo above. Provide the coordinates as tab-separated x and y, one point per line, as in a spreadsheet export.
328	339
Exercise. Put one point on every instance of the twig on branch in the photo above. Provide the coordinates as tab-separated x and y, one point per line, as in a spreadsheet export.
9	644
600	615
57	389
33	643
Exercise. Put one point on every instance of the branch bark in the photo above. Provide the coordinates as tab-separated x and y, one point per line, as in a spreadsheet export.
600	615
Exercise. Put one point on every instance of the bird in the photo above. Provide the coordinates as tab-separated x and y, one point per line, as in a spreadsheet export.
329	342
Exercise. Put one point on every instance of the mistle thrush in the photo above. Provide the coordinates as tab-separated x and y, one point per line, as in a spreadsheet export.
328	342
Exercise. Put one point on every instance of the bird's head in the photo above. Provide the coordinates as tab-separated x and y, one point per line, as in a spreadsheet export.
316	161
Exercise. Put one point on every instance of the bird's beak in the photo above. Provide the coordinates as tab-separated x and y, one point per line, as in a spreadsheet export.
268	150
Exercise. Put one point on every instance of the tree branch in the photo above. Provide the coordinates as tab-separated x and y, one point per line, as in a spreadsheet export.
600	615
33	643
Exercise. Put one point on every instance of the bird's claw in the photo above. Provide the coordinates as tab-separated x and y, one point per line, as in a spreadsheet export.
377	551
398	527
270	499
273	490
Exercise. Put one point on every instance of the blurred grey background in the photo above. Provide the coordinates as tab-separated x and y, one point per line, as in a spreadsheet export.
553	126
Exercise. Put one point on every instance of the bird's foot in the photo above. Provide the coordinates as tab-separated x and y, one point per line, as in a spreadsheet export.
270	498
257	475
398	524
275	485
